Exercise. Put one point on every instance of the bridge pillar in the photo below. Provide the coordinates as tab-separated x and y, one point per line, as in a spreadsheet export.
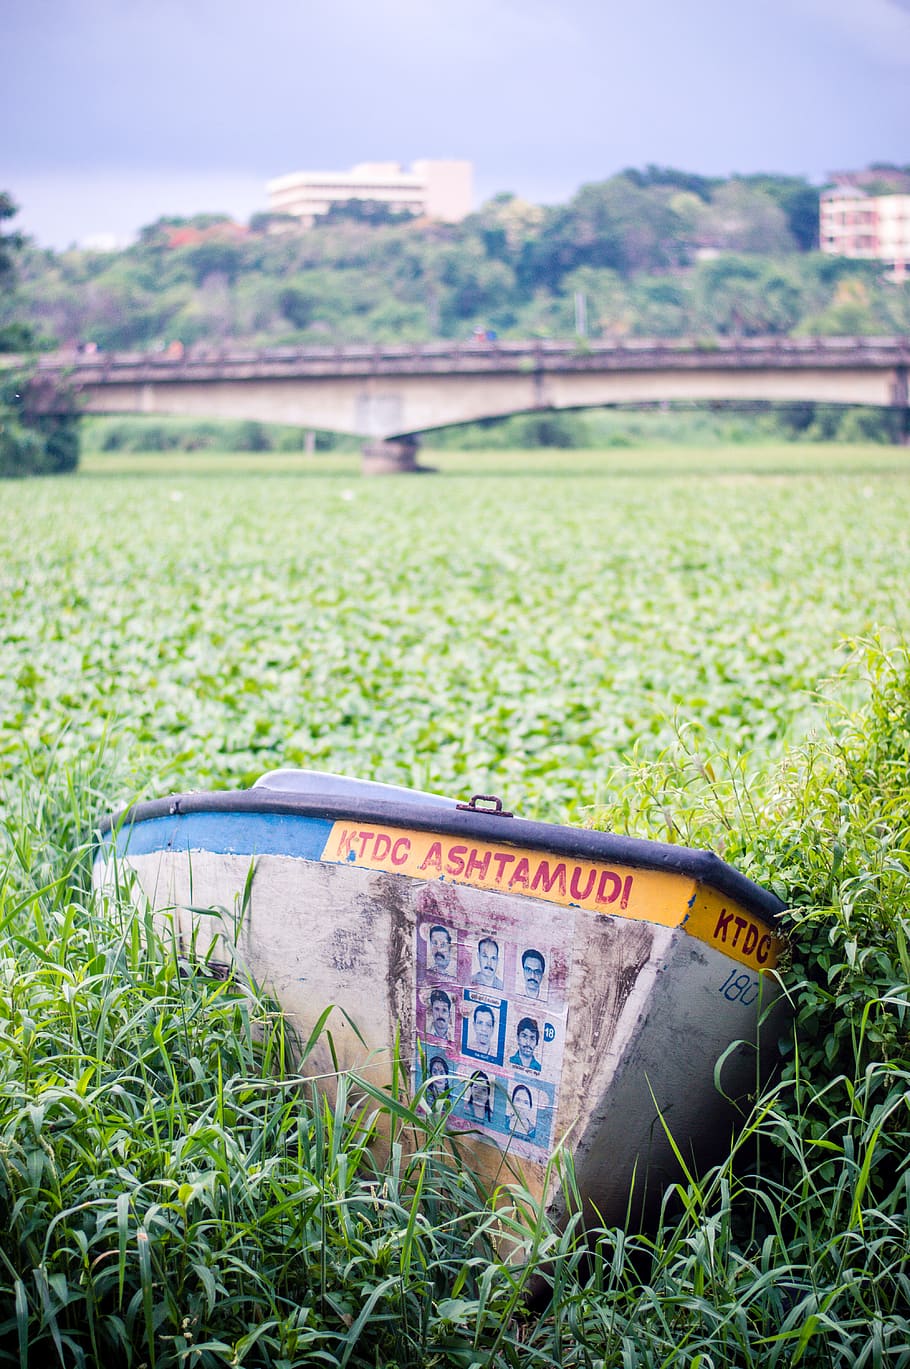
392	456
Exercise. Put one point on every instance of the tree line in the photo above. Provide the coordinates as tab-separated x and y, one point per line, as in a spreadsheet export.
656	252
646	253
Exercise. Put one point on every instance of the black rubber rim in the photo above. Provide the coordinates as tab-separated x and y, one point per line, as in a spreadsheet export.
574	842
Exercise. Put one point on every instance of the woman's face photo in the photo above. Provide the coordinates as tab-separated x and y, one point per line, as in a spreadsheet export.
479	1098
437	1078
480	1093
522	1110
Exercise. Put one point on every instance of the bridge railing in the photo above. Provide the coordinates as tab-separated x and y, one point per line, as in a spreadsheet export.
491	354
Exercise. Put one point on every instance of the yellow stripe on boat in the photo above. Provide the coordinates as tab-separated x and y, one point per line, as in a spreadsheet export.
669	900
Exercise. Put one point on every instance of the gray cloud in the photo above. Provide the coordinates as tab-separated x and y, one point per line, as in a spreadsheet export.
116	110
882	27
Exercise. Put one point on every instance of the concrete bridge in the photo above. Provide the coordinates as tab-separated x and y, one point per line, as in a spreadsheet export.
389	395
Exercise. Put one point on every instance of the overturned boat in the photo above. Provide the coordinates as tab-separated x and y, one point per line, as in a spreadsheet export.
546	985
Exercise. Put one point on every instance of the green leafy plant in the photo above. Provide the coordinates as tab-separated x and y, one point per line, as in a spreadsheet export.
648	637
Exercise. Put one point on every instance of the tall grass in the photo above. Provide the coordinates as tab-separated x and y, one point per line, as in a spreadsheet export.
172	1194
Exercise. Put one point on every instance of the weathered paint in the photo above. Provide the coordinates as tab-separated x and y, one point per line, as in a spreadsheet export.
730	929
252	834
633	1007
509	869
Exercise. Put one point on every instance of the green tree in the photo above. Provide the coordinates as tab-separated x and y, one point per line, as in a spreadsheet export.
661	306
363	211
667	177
39	432
214	257
746	296
297	305
472	285
505	225
740	218
38	426
896	306
9	242
851	312
15	335
614	224
608	301
798	200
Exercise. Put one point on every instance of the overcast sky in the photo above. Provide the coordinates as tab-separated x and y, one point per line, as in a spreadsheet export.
114	112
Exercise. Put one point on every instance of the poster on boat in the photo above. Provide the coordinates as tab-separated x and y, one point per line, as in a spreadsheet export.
490	1015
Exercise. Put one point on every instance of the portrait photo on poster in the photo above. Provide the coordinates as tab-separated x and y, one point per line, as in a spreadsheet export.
483	1027
530	1110
477	1098
487	969
531	974
438	1080
514	1113
491	1008
440	914
439	1012
527	1043
522	1111
441	951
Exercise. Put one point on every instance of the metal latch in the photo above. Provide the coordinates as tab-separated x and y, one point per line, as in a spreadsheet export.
497	811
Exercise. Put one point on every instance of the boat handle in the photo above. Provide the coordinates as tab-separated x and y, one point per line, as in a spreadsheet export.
497	811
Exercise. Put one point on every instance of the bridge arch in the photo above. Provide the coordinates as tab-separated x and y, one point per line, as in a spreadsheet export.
389	395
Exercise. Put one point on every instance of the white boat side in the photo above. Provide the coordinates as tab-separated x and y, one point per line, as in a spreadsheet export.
549	985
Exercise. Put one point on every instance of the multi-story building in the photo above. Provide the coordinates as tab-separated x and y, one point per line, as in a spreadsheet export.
867	221
441	190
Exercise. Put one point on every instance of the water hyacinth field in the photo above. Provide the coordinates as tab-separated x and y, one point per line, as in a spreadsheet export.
517	624
708	647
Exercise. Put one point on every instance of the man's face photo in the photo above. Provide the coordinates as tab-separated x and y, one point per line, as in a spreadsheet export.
440	1013
487	961
527	1043
440	948
484	1022
532	965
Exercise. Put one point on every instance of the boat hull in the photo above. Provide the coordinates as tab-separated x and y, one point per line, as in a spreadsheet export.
546	987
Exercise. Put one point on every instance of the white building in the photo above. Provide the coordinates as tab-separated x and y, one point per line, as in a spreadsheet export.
894	231
855	223
441	190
